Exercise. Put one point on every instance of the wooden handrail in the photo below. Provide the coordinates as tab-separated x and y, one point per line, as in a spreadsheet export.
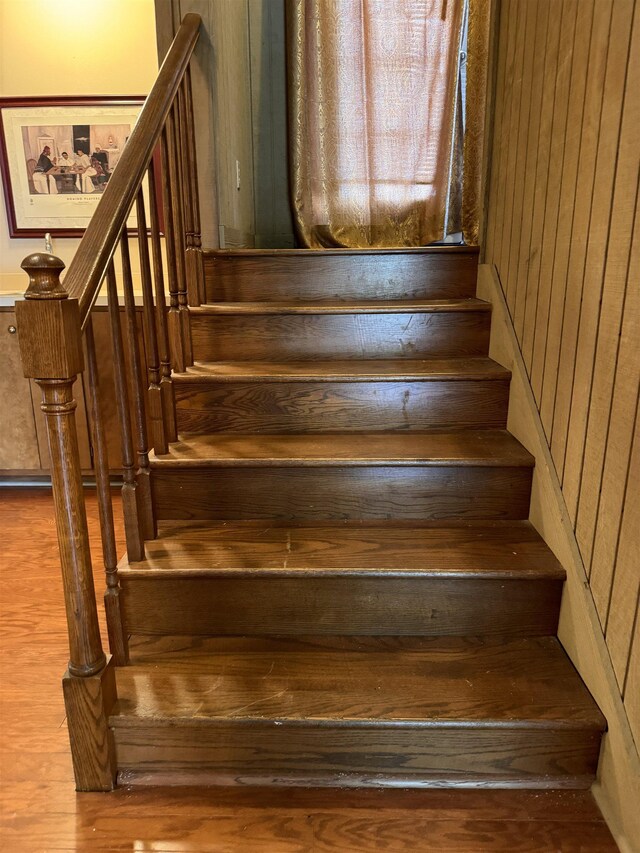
51	319
89	266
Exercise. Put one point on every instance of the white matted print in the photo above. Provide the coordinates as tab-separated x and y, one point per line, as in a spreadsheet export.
58	159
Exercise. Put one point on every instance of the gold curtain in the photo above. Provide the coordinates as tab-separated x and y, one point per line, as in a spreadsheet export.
372	109
480	12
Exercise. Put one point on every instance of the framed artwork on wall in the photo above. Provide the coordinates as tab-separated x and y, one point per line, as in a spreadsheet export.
57	156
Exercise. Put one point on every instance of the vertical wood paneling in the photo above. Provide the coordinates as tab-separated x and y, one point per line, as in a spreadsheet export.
552	204
626	577
573	134
615	286
597	248
511	9
514	160
532	159
498	127
563	229
621	471
542	173
588	147
632	683
524	118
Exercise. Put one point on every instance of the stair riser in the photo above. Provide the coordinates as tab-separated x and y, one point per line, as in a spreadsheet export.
291	337
357	606
282	407
284	277
366	492
416	756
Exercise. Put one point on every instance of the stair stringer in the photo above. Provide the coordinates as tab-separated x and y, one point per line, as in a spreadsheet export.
617	786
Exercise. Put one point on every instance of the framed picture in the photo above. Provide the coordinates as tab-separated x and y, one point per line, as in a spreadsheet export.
57	155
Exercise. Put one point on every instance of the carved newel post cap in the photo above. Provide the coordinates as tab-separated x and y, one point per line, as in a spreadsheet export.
44	276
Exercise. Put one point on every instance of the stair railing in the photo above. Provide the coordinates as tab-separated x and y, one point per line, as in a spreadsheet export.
56	339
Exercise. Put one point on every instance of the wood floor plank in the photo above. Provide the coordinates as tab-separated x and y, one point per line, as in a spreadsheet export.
347	834
282	827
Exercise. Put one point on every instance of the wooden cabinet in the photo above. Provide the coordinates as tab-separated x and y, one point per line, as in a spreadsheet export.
23	440
19	446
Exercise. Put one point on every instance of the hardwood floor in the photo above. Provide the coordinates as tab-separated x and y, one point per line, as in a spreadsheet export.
41	812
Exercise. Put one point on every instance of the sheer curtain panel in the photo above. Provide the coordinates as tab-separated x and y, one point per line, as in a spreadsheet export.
375	120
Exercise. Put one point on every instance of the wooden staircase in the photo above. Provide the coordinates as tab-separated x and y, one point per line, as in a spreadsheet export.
345	589
330	575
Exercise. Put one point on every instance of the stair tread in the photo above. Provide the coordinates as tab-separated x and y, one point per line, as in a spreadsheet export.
487	447
348	681
359	252
355	306
352	370
462	549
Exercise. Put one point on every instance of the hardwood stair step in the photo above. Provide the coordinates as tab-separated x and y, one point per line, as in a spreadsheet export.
483	448
345	396
498	549
360	329
350	370
254	274
427	711
465	474
354	306
488	578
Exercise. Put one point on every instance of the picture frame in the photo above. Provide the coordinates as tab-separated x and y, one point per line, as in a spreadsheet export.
47	188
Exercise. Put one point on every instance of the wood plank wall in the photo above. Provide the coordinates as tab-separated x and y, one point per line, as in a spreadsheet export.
561	228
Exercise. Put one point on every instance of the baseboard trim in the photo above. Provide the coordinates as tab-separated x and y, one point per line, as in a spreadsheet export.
617	788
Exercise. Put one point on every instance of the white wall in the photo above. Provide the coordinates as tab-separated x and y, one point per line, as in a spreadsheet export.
42	52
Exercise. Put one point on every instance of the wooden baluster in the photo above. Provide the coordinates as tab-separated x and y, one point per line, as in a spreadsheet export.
174	322
51	349
185	166
130	500
118	643
154	393
138	388
193	175
177	199
166	383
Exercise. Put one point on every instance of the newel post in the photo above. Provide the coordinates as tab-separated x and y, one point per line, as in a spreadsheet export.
50	338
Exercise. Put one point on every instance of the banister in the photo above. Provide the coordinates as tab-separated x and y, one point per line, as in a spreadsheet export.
89	265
